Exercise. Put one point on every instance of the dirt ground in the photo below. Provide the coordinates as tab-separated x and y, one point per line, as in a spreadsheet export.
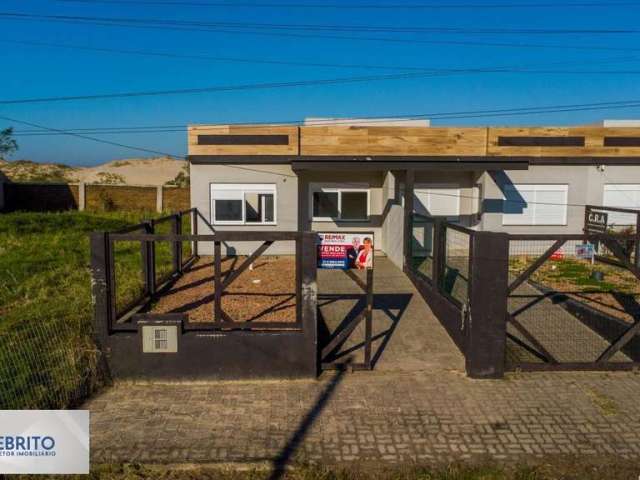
617	295
264	294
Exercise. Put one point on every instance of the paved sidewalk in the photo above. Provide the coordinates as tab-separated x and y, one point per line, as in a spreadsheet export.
417	406
420	417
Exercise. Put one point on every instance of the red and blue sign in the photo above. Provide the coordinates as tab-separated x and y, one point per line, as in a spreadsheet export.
337	250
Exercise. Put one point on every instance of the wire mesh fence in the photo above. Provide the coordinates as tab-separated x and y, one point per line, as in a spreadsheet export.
45	363
567	306
422	245
455	280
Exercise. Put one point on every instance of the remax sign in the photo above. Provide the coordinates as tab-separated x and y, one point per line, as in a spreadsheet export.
44	441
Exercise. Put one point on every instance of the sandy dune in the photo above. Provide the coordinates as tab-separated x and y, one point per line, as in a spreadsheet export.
131	171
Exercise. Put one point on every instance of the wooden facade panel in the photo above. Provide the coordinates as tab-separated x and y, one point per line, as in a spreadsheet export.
391	141
593	142
238	130
343	140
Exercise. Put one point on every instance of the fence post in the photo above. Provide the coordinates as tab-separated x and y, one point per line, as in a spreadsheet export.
148	259
217	281
637	240
486	333
306	250
194	229
439	252
100	287
176	247
407	215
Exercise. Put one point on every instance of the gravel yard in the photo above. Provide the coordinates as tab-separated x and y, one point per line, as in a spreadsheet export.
264	294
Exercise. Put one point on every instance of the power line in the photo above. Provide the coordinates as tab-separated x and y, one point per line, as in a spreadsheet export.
214	58
85	137
507	69
379	119
241	87
325	27
461	43
345	6
220	88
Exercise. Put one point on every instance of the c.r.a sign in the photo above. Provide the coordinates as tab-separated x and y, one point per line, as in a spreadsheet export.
597	221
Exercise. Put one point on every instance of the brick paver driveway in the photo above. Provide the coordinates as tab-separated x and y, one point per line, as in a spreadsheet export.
417	406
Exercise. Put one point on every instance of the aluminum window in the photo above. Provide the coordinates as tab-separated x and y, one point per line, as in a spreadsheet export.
340	204
243	204
622	196
526	204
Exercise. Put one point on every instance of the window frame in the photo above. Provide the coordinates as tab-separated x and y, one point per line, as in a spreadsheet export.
616	215
428	188
244	188
556	187
339	191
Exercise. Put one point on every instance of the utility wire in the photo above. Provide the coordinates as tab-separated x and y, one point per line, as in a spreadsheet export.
346	6
500	69
378	119
85	137
325	27
465	43
230	88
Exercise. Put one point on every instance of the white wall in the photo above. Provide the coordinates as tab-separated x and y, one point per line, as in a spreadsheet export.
586	186
286	181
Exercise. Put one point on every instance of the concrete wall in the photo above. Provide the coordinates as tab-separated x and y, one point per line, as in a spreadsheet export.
92	197
586	186
393	224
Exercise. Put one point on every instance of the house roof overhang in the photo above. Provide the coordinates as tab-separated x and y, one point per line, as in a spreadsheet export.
366	162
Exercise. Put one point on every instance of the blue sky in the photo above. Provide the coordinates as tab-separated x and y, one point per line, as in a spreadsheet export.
42	71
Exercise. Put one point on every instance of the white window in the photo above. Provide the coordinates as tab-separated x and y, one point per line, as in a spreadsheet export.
621	196
535	205
342	204
438	201
243	204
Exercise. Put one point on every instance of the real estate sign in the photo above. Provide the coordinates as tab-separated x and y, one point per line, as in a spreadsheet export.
585	251
345	250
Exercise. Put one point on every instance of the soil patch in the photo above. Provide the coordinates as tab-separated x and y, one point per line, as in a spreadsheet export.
264	294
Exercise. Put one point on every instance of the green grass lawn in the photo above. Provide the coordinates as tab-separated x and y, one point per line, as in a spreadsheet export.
47	358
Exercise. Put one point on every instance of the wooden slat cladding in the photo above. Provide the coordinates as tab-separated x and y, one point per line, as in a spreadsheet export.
555	143
243	140
594	142
392	141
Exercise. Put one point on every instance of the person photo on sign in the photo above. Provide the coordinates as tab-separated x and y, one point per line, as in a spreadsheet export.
365	255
